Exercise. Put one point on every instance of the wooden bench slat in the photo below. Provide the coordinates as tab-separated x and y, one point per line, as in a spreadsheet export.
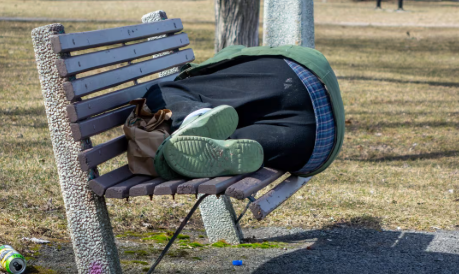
97	38
91	84
276	196
145	188
100	184
191	187
98	124
96	105
85	62
101	153
121	190
168	188
218	185
251	184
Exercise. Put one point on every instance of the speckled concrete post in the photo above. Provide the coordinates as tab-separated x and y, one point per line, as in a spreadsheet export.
219	220
153	17
217	214
288	22
87	216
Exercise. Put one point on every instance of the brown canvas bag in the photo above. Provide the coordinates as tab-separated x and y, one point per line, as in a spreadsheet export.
145	132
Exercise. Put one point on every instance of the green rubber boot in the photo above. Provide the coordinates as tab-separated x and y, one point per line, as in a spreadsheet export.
196	157
217	123
161	166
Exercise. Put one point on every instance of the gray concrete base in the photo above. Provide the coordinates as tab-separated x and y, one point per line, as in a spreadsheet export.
288	22
87	216
219	220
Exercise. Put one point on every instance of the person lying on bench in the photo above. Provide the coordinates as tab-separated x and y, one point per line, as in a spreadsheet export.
247	107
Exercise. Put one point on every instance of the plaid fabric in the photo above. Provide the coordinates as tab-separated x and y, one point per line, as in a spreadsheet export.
325	122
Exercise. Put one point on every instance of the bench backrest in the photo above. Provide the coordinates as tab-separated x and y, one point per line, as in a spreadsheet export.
92	116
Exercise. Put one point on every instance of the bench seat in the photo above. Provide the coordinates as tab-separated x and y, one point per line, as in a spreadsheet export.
122	184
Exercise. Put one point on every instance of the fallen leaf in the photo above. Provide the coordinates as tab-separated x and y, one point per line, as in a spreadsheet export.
35	240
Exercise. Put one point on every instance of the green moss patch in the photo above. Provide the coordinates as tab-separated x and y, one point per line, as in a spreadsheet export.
186	243
139	253
159	238
140	262
35	247
181	236
178	253
39	270
221	243
196	244
263	245
164	237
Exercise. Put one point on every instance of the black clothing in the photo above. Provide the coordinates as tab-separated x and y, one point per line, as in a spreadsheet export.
273	105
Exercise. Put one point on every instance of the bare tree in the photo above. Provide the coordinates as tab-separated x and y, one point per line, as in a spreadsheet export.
236	23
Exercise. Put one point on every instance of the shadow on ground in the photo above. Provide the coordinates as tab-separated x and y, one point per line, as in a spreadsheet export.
410	157
350	250
398	81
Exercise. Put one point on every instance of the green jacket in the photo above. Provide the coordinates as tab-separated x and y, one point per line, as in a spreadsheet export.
309	58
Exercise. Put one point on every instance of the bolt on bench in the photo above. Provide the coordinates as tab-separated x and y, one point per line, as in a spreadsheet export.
72	121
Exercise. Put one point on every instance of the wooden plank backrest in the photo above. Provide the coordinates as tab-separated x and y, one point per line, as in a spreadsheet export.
99	124
92	116
97	38
87	108
92	157
81	63
88	85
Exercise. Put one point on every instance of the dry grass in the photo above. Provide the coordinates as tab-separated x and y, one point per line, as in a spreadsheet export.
331	11
188	10
398	167
416	13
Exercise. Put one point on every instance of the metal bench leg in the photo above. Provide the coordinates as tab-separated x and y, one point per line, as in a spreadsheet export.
87	216
220	220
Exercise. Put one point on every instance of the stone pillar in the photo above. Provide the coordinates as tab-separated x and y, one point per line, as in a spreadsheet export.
288	22
87	216
217	214
219	220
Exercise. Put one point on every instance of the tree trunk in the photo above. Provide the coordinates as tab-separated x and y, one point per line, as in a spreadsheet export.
236	23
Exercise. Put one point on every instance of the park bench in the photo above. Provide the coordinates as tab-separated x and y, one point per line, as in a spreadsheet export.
76	119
